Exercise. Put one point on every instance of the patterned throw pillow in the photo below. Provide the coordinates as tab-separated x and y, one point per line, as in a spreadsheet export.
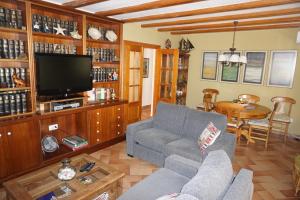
208	136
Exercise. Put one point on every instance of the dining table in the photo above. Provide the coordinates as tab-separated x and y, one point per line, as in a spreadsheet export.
249	111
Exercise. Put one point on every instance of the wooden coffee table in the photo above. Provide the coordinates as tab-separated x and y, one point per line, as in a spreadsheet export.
105	179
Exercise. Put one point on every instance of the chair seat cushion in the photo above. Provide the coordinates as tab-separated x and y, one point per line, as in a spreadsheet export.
259	122
158	184
234	124
184	147
282	118
155	139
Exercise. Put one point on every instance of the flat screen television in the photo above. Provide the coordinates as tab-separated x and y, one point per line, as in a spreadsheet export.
60	75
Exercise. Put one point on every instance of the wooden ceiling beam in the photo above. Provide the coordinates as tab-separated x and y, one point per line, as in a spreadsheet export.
230	24
215	30
227	17
144	6
226	8
81	3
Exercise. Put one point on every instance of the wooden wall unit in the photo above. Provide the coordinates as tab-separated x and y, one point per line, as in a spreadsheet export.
182	79
30	37
19	147
21	133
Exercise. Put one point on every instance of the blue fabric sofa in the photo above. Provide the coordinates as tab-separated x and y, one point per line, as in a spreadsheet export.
174	129
212	180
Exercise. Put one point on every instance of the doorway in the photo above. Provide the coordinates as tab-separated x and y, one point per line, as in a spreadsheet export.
136	90
148	82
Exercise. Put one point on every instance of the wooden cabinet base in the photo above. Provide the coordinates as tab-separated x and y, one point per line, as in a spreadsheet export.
20	149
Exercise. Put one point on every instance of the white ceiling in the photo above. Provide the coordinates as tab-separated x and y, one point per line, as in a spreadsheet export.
270	8
202	4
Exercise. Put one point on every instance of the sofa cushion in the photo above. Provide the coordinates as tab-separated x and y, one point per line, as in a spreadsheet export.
160	183
170	117
185	148
155	139
196	121
186	197
213	178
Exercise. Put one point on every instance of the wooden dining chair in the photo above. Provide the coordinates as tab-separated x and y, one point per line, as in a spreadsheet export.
233	113
249	98
260	129
282	118
209	98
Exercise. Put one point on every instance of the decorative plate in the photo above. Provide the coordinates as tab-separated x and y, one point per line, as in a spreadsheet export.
111	36
49	144
94	33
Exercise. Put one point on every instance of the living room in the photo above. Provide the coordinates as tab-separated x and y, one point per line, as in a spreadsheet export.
104	113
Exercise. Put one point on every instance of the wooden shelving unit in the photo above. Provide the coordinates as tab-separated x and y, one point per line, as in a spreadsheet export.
28	128
31	37
105	44
18	34
182	79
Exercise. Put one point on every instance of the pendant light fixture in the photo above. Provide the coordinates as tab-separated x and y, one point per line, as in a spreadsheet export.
232	58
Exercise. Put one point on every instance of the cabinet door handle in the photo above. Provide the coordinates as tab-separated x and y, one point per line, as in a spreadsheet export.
8	133
0	135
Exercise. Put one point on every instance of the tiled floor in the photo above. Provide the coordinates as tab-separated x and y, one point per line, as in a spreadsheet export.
272	168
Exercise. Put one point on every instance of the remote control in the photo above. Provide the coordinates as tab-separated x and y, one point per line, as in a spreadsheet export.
83	167
90	167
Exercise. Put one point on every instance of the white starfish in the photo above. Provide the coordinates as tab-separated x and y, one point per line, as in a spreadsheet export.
59	30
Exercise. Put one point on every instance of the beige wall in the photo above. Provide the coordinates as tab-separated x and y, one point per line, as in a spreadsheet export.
265	40
134	32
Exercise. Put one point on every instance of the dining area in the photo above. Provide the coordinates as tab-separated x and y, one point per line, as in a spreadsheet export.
248	118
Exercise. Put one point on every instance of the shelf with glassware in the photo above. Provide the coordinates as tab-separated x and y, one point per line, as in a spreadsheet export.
103	43
182	79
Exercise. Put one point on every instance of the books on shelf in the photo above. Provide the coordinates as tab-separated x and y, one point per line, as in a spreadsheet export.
75	142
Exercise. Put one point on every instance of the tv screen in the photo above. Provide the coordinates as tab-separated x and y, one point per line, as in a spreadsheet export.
59	74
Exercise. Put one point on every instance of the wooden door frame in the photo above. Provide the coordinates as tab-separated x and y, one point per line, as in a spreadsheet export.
143	46
158	76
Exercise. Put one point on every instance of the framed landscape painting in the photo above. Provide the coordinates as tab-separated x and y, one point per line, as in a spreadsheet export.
230	73
254	69
282	68
210	65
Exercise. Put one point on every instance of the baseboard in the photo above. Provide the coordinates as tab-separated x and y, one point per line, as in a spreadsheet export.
292	136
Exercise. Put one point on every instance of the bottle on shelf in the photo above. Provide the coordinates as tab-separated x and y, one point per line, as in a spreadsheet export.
6	76
11	18
12	49
13	103
105	74
102	54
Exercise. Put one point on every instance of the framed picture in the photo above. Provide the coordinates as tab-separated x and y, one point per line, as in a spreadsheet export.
210	65
254	69
146	68
282	68
230	73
